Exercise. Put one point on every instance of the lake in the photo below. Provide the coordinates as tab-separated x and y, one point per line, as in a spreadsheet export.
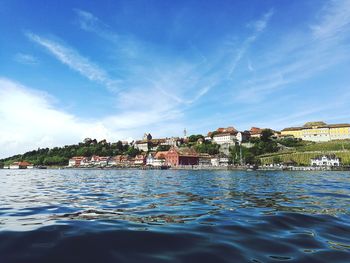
174	216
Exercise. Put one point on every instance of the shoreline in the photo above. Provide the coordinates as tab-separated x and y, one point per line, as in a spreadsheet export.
201	168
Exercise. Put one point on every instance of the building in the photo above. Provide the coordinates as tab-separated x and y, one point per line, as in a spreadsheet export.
104	160
181	156
156	159
255	132
21	165
75	161
325	160
141	145
243	136
204	159
220	160
224	138
319	131
140	159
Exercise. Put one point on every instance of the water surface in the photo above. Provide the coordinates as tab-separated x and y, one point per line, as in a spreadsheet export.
174	216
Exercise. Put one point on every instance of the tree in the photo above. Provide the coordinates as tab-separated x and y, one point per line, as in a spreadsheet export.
207	147
194	138
163	148
266	135
132	152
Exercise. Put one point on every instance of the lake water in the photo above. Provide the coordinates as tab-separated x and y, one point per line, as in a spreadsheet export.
174	216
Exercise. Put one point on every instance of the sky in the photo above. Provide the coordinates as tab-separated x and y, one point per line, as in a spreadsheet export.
117	69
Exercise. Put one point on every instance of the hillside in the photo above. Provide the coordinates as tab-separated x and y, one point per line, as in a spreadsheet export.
302	153
61	155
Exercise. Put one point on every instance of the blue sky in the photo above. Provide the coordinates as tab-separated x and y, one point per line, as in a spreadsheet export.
117	69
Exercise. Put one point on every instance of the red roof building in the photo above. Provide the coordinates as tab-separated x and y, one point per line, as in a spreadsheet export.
181	156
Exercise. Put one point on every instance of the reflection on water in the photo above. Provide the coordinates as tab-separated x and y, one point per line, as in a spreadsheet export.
183	216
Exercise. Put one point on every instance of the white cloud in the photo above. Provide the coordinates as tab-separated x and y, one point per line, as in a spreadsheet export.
29	120
300	56
26	59
75	61
334	21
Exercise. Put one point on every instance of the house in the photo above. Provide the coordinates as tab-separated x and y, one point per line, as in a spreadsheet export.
75	161
160	158
325	160
95	160
204	159
140	159
255	132
21	165
225	138
120	160
156	159
181	156
220	160
150	158
104	160
142	145
85	161
226	130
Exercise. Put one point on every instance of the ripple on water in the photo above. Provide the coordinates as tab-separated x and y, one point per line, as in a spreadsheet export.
174	216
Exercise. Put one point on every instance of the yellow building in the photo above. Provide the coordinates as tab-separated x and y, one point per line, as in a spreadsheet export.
319	131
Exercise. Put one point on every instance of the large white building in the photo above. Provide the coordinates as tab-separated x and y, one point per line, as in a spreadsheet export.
224	138
325	160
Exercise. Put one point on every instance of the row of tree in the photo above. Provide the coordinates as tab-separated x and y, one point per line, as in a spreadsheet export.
61	155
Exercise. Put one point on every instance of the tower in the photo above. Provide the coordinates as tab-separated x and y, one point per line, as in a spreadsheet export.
185	134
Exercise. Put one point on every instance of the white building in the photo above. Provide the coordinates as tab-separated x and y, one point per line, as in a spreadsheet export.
220	161
224	138
21	165
141	145
325	160
156	159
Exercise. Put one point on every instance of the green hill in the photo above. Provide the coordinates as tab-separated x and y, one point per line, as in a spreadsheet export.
60	155
302	153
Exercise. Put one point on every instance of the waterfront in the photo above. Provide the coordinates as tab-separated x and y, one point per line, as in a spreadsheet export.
174	216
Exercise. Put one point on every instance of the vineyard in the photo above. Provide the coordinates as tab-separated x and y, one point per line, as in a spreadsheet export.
303	158
337	145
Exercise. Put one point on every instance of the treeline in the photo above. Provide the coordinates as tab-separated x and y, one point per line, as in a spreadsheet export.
61	155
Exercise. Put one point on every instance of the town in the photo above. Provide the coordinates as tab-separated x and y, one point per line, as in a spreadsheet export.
223	148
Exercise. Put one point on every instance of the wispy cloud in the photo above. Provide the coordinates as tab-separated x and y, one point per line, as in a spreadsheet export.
258	27
26	59
334	20
307	55
75	61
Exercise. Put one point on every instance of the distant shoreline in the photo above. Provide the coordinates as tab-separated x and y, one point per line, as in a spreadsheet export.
199	168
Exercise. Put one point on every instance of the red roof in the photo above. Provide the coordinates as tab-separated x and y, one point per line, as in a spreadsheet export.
255	130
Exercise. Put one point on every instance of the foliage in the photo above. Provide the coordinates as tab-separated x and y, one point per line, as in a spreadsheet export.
133	151
336	145
266	135
161	148
262	145
248	157
195	138
61	155
276	159
207	147
291	142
